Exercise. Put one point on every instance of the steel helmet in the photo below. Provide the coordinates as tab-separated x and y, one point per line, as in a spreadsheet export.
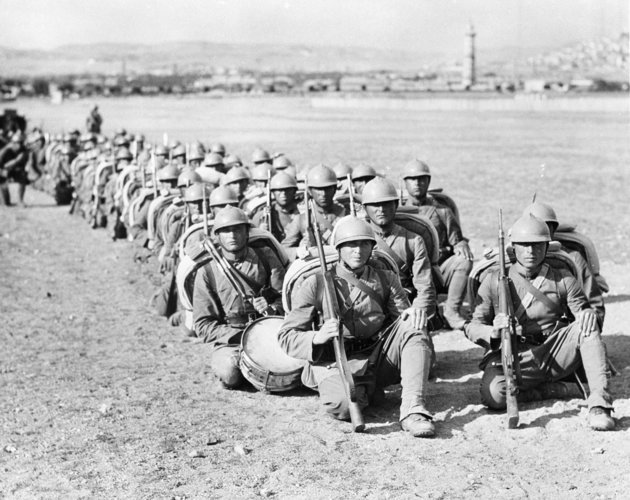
138	137
121	141
379	190
362	170
232	161
187	177
218	148
261	172
228	217
282	180
350	228
195	152
178	151
281	162
66	150
342	170
168	173
213	159
195	192
161	151
416	168
124	154
320	176
529	229
223	195
542	211
260	156
121	131
236	174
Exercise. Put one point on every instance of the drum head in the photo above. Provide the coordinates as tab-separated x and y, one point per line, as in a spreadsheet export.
260	342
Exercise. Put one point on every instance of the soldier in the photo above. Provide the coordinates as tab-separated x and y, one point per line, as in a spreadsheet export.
385	338
94	121
230	161
218	148
380	200
341	171
322	186
238	179
284	208
585	276
196	155
220	198
361	175
178	155
557	328
161	156
13	160
455	255
260	156
212	170
260	175
220	313
281	163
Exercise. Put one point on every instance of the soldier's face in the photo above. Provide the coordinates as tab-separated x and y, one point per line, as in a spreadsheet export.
234	238
359	184
323	196
284	197
417	187
381	214
239	187
530	255
355	254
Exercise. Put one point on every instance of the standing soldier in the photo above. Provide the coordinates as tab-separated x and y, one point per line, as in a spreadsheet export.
283	209
322	186
455	255
385	338
557	329
13	160
380	200
220	313
94	121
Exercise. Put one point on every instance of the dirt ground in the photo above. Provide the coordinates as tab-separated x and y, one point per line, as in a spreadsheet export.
99	398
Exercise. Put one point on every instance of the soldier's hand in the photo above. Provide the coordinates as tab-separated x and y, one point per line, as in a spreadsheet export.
260	304
303	252
499	322
463	250
416	316
587	321
264	226
329	330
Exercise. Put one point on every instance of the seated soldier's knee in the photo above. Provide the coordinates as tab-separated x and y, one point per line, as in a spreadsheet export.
462	264
225	366
493	388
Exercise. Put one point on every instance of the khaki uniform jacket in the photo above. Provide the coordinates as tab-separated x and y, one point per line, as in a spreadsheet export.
297	230
219	314
537	318
280	217
362	317
415	271
445	223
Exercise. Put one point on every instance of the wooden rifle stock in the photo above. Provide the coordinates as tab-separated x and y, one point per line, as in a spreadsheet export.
353	208
331	310
268	202
509	352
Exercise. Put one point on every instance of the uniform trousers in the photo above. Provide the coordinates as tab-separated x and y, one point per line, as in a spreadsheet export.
558	357
402	356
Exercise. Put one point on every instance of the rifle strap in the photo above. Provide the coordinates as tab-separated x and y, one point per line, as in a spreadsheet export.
250	286
382	245
533	290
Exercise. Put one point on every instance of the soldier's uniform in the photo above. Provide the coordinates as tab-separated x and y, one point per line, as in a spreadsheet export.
281	218
551	347
297	230
219	313
382	349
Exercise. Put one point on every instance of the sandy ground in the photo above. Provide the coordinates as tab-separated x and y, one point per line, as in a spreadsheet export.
99	398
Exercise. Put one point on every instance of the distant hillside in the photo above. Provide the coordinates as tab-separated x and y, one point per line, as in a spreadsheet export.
204	56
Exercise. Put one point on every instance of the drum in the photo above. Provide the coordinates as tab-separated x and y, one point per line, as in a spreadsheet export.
263	362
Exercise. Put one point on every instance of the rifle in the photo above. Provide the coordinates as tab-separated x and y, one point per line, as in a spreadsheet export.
97	198
353	208
509	352
268	202
154	173
224	265
331	310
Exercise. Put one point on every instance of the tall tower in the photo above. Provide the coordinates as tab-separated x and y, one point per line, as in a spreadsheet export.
468	68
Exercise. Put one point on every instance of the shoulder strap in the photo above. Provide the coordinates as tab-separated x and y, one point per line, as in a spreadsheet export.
363	287
381	244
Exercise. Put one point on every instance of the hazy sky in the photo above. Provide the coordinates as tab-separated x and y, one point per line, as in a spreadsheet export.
415	25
